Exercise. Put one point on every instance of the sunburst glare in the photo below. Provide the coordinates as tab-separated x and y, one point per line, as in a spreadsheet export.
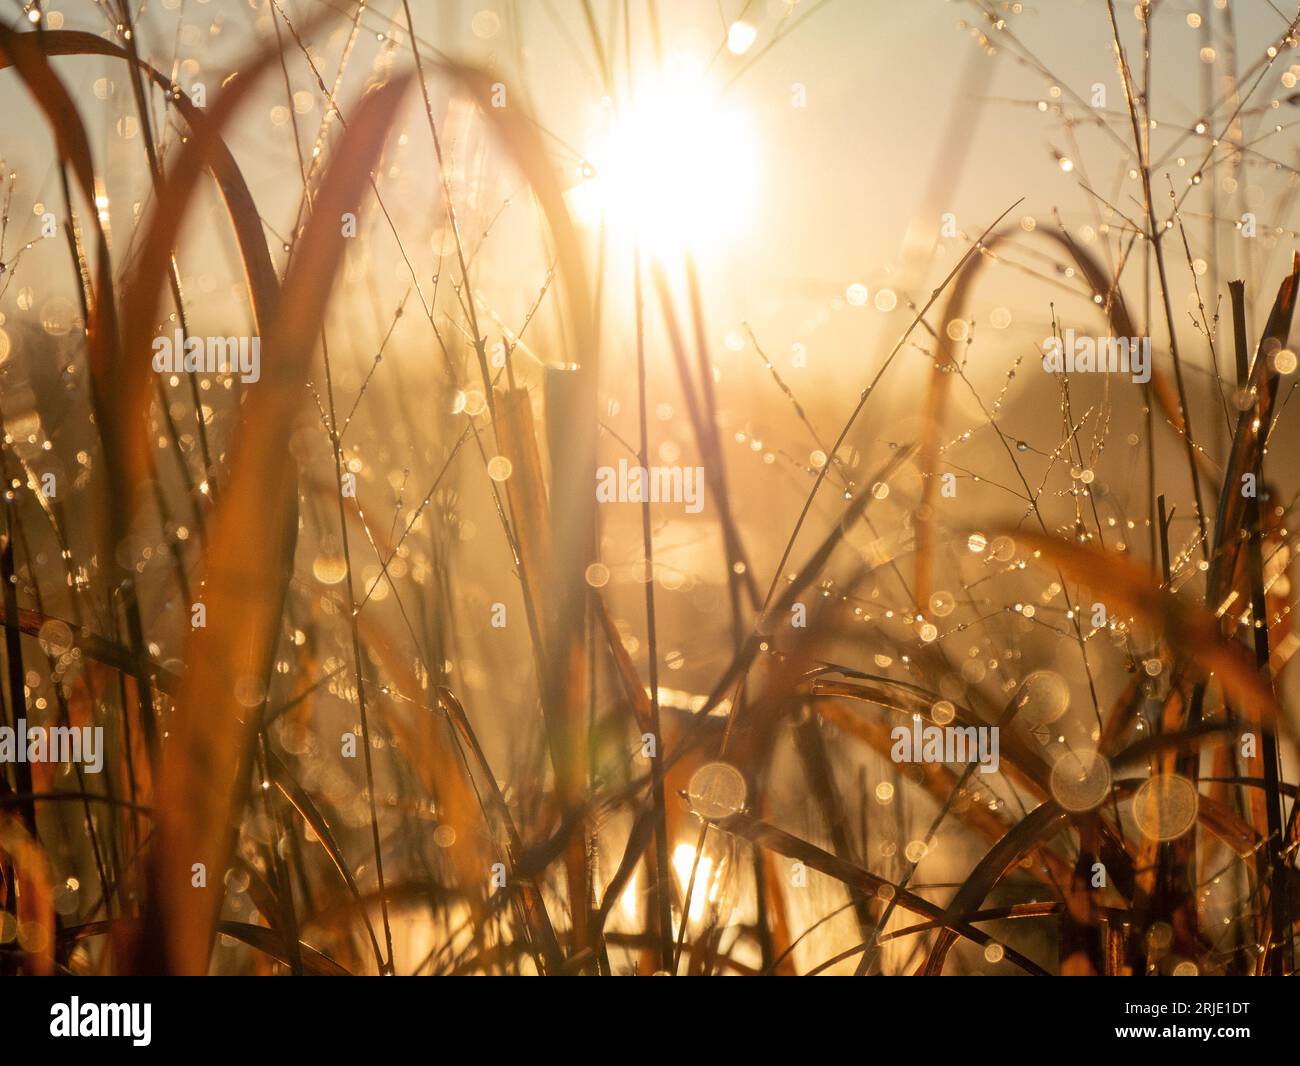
674	168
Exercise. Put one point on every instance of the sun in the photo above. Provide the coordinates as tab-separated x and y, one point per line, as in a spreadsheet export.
675	169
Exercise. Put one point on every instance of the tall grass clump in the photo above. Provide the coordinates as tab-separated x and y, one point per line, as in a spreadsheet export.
397	669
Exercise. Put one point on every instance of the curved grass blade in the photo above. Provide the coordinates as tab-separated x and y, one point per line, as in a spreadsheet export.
202	787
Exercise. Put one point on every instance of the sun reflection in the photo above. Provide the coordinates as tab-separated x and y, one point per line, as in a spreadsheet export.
705	890
674	169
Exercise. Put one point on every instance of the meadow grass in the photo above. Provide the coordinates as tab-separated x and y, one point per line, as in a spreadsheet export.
343	764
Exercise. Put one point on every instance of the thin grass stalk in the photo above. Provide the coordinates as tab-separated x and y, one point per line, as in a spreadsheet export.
366	741
1155	236
663	906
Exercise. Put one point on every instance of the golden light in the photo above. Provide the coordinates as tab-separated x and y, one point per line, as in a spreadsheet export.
705	889
629	903
675	169
740	35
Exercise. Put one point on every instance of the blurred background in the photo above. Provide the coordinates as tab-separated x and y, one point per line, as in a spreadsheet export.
819	168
